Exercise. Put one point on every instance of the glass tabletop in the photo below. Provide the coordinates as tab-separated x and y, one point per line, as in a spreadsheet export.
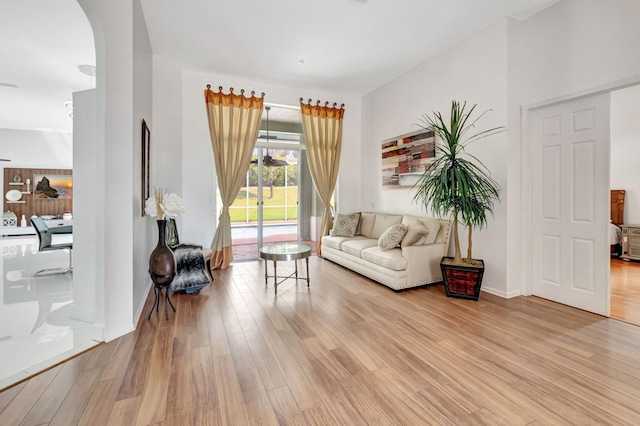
286	251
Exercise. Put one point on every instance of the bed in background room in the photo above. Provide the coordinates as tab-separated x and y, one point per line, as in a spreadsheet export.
617	219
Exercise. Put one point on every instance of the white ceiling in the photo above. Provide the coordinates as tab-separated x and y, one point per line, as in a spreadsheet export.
42	43
348	46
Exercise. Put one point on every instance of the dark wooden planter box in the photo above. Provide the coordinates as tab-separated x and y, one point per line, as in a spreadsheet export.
462	282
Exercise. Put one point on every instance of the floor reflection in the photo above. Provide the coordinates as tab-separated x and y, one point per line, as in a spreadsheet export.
37	328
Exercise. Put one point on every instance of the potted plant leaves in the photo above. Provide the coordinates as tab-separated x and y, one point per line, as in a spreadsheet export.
458	186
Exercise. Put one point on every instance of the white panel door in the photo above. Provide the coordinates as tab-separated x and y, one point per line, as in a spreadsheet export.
570	214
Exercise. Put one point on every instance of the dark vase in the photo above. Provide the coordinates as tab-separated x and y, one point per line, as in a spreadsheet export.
162	269
162	266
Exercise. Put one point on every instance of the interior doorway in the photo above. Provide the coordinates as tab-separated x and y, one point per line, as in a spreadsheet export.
623	277
570	147
625	262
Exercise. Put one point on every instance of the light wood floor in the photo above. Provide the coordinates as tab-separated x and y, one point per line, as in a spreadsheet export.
347	351
625	290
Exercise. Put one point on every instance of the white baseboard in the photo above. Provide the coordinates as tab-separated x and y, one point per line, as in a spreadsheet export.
138	313
118	333
501	293
136	317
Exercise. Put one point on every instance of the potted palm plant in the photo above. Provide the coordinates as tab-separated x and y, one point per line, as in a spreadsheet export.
458	186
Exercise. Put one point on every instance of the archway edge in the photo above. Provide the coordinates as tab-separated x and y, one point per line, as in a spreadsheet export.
111	229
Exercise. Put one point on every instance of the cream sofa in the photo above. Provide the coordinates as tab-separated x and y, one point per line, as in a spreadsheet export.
399	268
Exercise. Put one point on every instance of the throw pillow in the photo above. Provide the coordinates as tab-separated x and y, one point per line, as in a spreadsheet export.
383	222
366	224
433	225
392	237
415	232
345	225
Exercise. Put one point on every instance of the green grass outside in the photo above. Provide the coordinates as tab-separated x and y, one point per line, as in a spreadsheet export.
238	210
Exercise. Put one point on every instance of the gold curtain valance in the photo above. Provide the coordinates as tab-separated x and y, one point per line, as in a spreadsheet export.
321	111
238	101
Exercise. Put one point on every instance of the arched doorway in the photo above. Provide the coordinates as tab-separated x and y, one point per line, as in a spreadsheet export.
48	52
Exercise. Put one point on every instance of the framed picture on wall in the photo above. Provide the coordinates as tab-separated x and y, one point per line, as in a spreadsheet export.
146	178
406	157
52	187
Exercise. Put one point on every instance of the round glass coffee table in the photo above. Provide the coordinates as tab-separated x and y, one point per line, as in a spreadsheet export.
281	252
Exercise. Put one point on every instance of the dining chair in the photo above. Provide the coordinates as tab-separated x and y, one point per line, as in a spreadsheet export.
44	234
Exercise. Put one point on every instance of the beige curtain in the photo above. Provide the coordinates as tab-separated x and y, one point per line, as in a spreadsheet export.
234	121
322	128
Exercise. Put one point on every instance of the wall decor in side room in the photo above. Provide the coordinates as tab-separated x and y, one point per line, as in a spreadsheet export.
146	178
406	157
28	205
52	187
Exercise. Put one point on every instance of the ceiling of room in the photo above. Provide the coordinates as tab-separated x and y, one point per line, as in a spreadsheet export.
348	46
42	43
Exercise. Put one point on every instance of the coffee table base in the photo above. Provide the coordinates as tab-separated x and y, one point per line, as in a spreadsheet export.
281	252
275	276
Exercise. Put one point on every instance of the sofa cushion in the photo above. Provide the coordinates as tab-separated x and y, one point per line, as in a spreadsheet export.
345	225
383	222
391	259
392	237
366	224
355	246
432	224
414	234
334	242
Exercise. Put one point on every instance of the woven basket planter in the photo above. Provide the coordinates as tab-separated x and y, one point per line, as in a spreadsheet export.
462	281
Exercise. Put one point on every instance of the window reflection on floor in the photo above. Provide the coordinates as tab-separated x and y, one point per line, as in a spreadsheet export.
37	328
245	239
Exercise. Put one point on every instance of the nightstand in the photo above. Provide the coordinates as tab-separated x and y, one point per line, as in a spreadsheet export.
630	242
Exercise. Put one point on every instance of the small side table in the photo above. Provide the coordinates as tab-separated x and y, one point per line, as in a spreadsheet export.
280	252
630	242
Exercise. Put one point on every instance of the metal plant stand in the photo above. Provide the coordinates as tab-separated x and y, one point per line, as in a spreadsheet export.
157	288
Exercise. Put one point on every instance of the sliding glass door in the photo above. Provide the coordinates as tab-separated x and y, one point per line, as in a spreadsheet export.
266	209
277	202
278	196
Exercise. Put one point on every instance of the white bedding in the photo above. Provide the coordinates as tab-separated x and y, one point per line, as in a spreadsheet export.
615	234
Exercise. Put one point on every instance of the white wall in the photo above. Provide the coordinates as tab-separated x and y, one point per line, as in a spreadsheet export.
35	149
166	138
625	149
474	71
144	230
112	24
198	175
570	48
88	204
